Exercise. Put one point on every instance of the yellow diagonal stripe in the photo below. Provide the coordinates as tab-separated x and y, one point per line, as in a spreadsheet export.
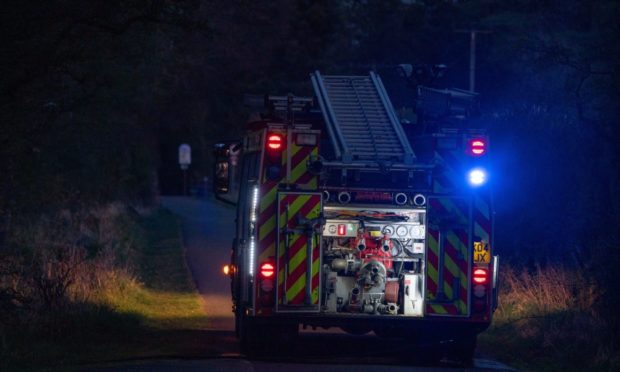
432	272
292	240
293	209
270	251
299	170
268	198
298	259
454	270
267	228
447	288
315	270
483	207
433	244
297	287
451	207
480	232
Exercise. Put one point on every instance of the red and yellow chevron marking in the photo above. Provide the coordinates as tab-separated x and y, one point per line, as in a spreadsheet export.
455	259
298	173
292	259
294	172
483	226
266	222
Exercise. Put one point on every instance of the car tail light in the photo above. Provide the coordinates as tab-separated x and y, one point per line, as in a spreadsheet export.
267	270
477	146
480	276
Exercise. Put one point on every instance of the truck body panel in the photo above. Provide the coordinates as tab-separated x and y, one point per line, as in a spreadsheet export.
335	230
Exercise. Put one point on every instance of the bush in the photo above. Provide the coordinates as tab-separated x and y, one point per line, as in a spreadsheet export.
58	268
549	319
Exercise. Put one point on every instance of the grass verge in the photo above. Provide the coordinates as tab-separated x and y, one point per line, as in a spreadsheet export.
548	321
153	312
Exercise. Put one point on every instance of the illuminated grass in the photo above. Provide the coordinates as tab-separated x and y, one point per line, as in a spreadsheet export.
165	296
547	321
150	310
160	309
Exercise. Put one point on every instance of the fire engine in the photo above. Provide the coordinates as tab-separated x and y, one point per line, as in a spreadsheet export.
348	217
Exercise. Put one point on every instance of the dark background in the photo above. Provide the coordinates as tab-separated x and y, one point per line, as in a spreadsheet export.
96	96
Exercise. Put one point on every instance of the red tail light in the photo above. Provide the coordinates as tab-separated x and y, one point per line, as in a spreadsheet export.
267	270
274	142
478	146
480	276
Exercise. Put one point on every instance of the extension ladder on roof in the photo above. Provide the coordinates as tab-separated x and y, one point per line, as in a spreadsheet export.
361	121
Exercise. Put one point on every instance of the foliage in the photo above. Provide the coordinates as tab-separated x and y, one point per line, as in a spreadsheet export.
548	319
76	104
97	283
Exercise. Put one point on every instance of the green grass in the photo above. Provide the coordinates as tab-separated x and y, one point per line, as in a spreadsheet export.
165	296
156	312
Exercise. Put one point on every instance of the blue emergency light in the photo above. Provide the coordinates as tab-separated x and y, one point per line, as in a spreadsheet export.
477	177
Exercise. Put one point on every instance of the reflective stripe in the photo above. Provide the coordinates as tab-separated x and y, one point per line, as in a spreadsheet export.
306	206
441	297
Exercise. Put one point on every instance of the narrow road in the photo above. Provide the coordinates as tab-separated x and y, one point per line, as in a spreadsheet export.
207	235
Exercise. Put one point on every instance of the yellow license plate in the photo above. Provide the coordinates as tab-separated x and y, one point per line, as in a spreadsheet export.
482	252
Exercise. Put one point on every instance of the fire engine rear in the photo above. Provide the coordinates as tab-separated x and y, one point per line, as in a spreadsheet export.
348	218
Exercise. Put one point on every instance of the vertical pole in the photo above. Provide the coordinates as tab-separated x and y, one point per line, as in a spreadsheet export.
472	54
441	295
286	257
472	61
309	249
185	182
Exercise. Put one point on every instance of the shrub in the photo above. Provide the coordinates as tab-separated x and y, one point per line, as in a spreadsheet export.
58	267
549	318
